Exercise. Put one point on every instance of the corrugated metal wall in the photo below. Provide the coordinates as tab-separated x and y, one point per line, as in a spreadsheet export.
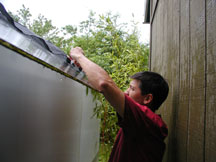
183	50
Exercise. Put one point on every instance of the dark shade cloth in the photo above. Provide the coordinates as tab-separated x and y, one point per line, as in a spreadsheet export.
141	135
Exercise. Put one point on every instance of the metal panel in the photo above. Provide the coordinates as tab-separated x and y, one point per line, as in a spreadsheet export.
211	82
90	131
42	114
29	47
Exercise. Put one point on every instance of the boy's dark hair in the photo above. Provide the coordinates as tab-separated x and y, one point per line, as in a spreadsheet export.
153	83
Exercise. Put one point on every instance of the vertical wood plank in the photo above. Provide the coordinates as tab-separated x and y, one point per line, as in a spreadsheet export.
174	71
153	6
153	41
164	66
165	60
197	82
182	113
196	113
211	82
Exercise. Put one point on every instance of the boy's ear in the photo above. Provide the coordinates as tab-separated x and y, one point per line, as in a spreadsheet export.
148	99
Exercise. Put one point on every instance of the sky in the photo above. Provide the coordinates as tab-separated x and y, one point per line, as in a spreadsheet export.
72	12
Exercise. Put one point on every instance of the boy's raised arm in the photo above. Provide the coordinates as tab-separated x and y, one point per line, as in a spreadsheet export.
100	80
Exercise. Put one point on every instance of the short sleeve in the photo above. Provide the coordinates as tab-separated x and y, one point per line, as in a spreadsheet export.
139	120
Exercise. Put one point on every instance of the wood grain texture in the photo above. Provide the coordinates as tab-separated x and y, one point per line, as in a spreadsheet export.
153	5
183	50
184	90
165	60
197	82
210	134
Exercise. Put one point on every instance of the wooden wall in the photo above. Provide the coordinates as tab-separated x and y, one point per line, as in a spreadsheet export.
183	50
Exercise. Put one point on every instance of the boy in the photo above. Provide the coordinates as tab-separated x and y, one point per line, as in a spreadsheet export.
142	132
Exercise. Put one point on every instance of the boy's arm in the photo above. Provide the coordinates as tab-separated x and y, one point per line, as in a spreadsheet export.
100	80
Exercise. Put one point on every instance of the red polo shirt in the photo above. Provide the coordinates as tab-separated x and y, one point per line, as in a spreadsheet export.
141	135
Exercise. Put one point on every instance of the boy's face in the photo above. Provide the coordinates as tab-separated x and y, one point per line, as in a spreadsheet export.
135	92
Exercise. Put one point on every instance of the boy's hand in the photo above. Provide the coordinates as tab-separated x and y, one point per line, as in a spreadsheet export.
75	53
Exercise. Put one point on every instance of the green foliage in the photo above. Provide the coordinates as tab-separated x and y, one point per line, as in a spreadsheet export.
119	53
44	28
23	16
15	17
40	26
110	44
104	152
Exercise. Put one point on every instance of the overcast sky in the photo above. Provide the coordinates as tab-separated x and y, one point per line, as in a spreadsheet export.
72	12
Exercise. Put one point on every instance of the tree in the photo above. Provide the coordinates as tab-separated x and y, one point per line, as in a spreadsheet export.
23	16
40	26
119	52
